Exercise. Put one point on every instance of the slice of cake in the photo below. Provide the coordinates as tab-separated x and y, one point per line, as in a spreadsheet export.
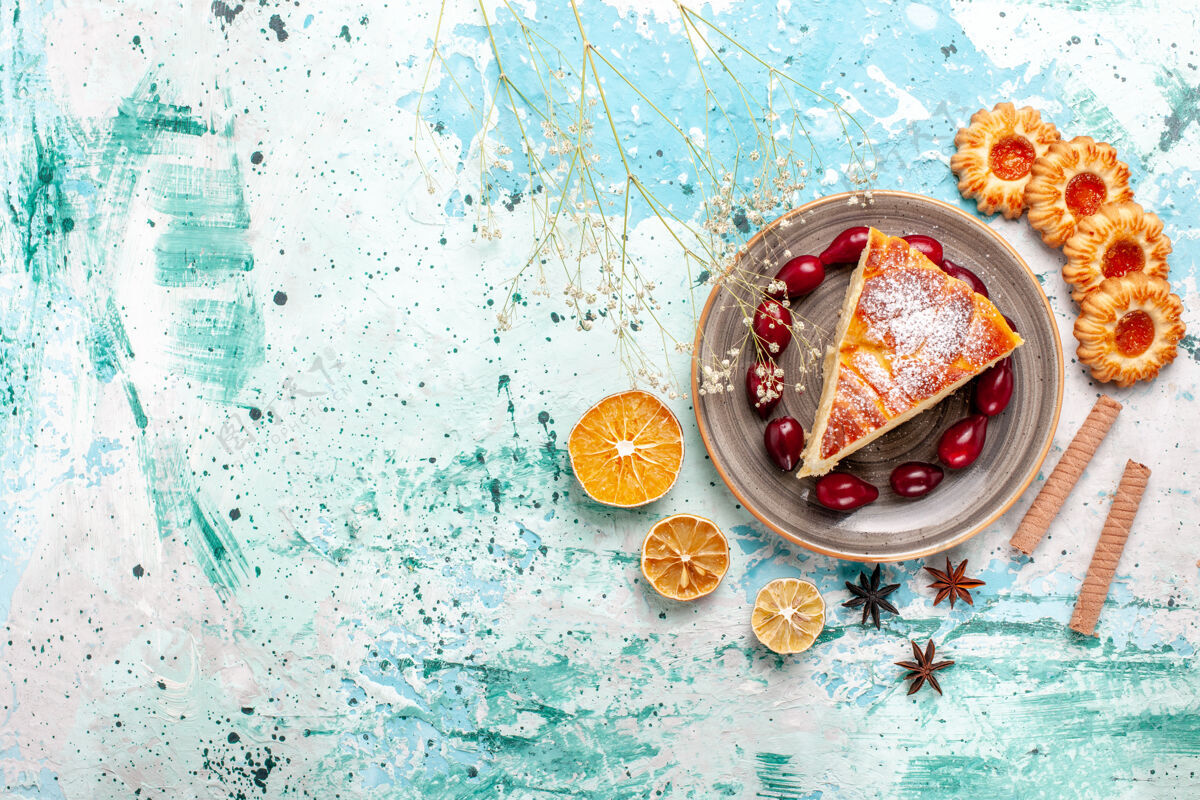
909	334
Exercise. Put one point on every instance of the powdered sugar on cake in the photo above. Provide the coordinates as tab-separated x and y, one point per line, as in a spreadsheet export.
921	321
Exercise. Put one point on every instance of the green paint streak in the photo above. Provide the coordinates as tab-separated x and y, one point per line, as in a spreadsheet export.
45	206
219	553
205	244
135	136
109	349
163	465
481	479
179	509
218	341
1090	716
193	255
528	723
1093	114
135	405
166	118
35	251
200	194
956	776
777	780
206	238
1184	102
1190	345
38	209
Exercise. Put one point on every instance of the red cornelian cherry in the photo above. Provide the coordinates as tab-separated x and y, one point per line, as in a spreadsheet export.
994	388
963	441
841	491
799	276
965	275
915	478
784	440
846	247
928	245
764	387
773	326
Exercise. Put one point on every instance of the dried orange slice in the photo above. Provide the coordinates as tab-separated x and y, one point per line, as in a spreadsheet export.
685	556
789	614
627	449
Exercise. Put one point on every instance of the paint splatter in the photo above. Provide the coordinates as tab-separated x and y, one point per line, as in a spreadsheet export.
1184	103
225	12
276	24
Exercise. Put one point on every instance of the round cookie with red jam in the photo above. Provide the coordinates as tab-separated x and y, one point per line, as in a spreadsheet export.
1128	328
995	154
1118	239
1070	183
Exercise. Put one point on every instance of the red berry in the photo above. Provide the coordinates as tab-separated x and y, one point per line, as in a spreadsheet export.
842	491
800	276
928	245
915	478
994	388
784	439
965	275
773	326
846	247
963	441
764	388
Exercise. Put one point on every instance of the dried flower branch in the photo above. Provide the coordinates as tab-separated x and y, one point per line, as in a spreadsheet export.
584	189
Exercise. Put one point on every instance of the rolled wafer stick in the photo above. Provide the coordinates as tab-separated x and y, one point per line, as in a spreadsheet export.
1108	549
1066	473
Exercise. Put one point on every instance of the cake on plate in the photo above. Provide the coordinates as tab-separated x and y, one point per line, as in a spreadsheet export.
908	335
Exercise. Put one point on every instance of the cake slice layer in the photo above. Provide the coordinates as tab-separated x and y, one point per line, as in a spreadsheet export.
909	335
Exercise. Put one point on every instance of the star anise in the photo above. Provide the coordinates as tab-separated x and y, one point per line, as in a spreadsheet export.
921	669
953	584
871	596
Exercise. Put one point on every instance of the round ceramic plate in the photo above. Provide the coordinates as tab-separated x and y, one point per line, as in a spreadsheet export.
892	528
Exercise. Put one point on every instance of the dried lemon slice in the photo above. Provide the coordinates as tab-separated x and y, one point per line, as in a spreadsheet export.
685	556
627	449
789	614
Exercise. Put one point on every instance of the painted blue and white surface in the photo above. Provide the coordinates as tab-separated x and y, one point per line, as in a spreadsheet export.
284	515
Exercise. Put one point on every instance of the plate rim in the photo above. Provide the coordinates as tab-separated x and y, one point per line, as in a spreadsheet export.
1031	473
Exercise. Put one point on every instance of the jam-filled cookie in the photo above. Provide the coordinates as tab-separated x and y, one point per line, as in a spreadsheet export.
1070	183
995	153
1118	239
1128	327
